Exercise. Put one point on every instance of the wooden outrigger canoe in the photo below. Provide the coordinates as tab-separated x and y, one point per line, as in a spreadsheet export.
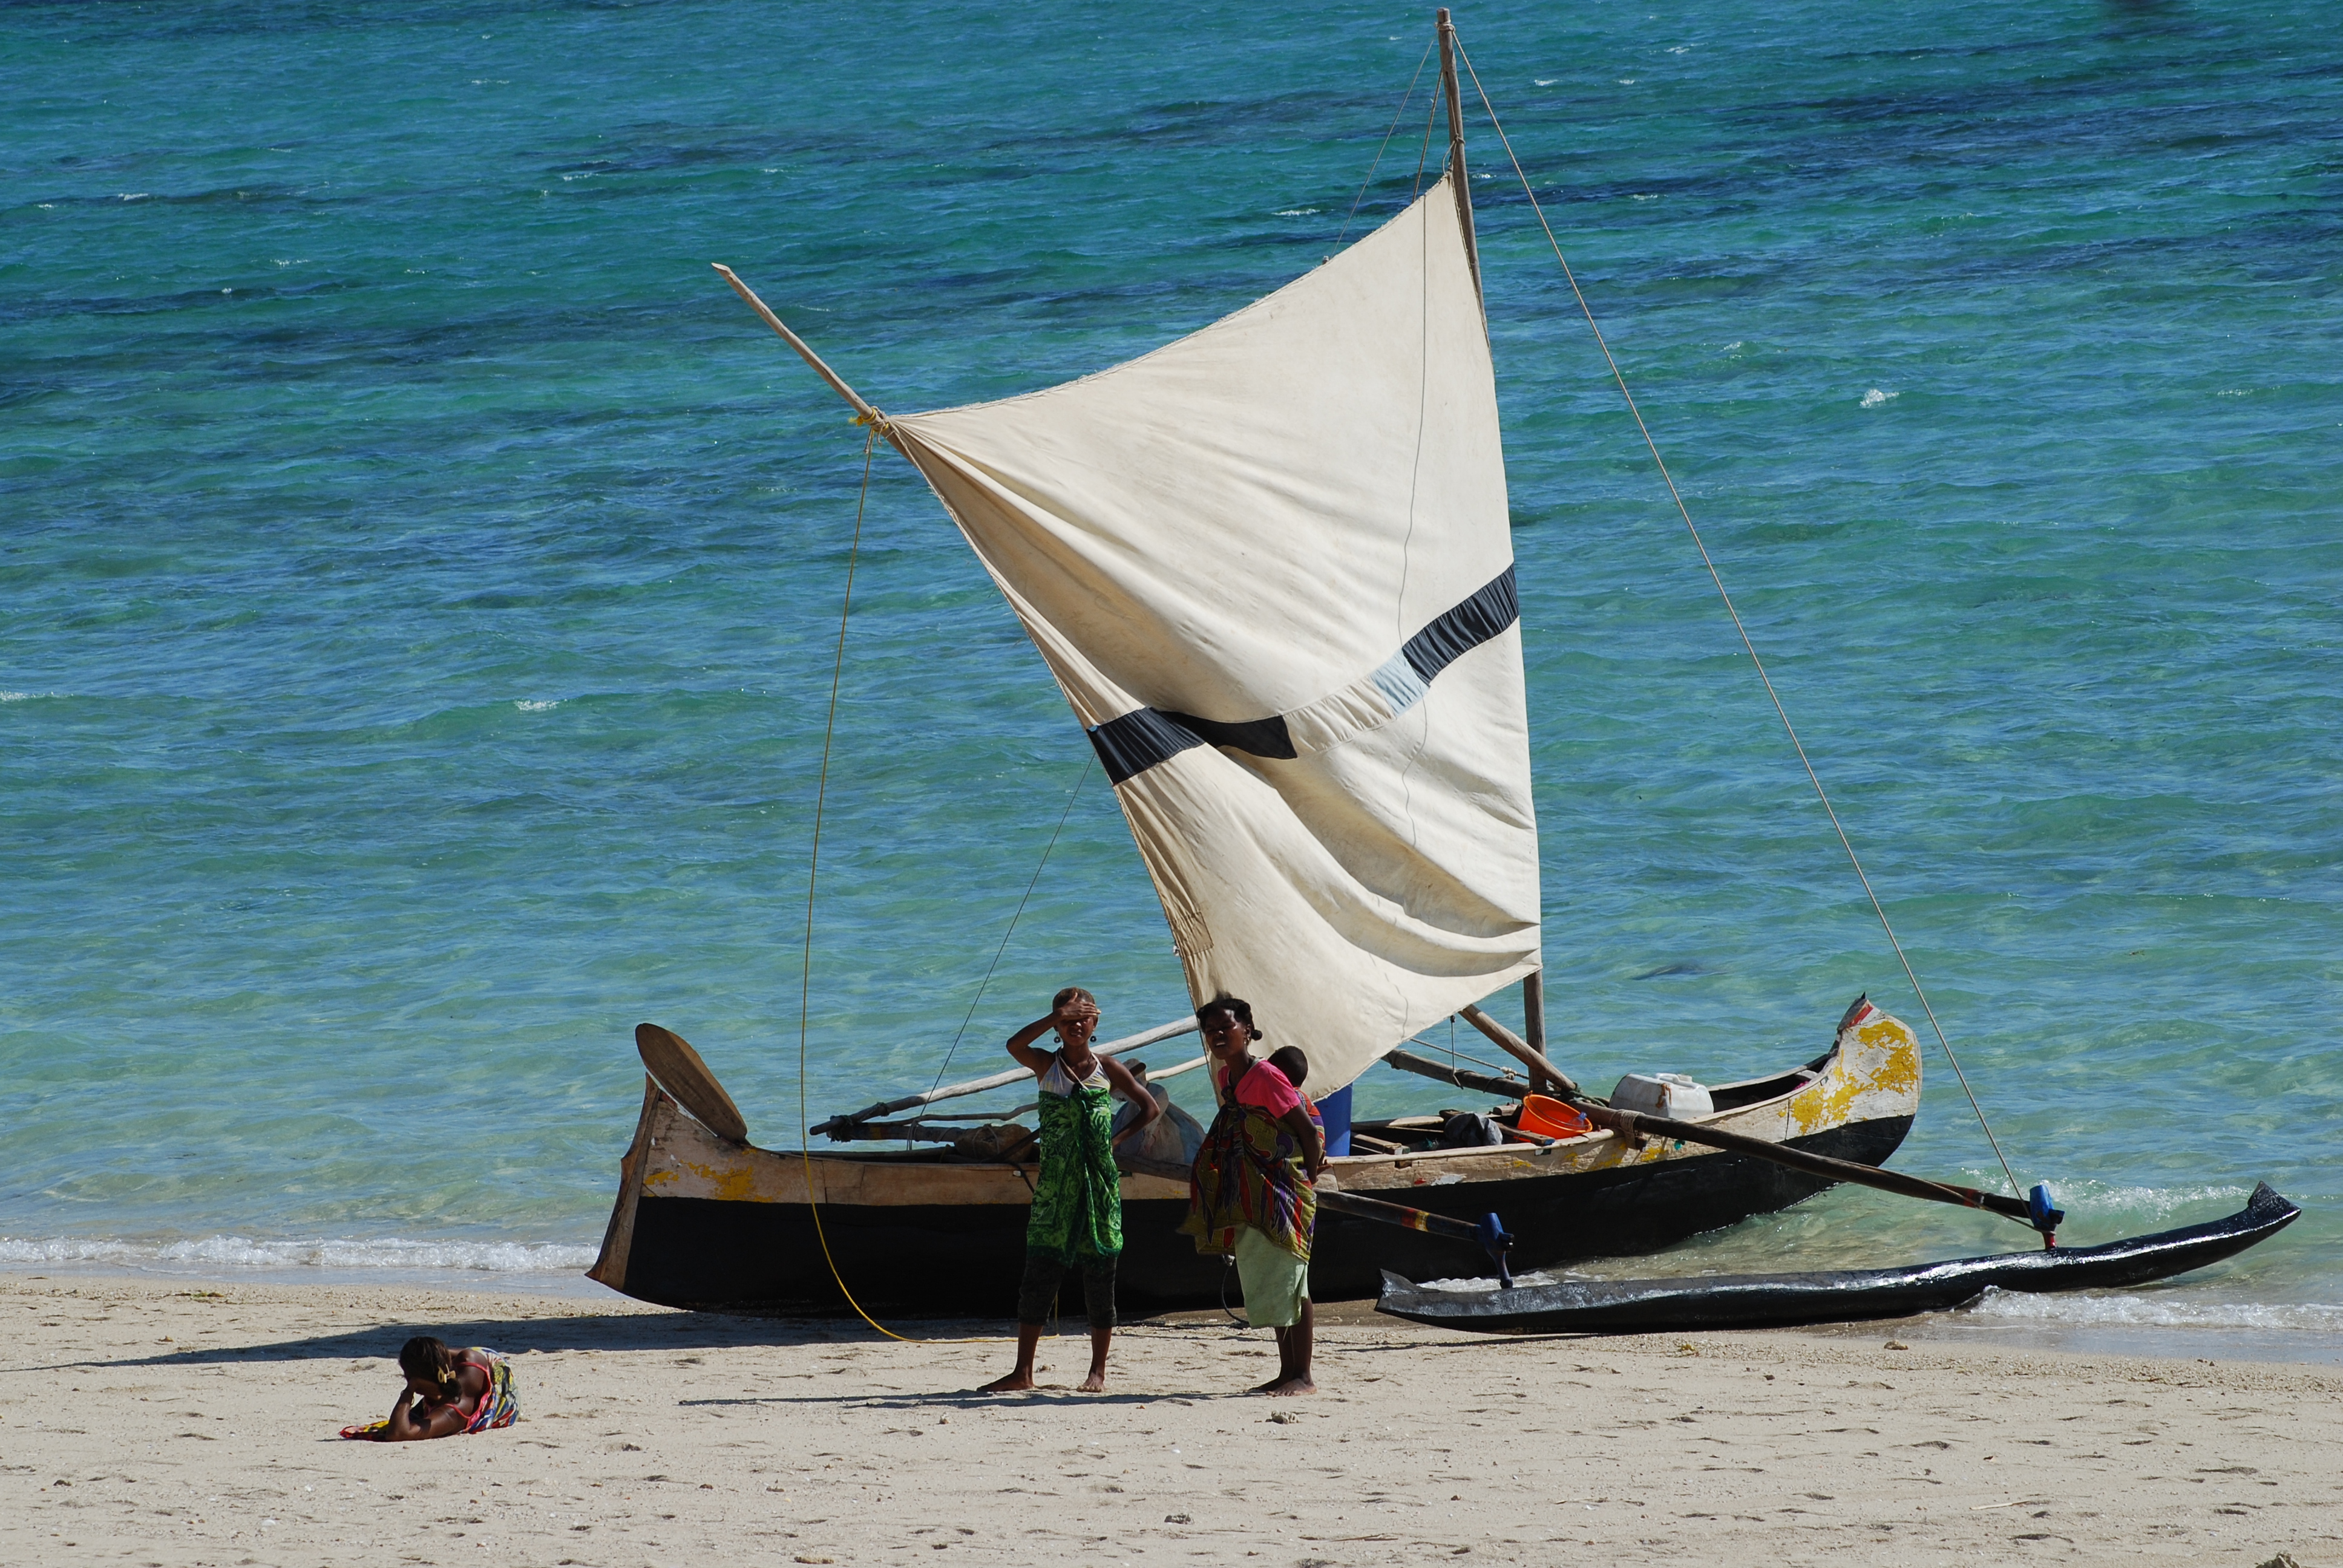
1836	1295
705	1221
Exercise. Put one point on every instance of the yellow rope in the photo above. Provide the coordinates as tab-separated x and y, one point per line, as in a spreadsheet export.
813	866
1759	665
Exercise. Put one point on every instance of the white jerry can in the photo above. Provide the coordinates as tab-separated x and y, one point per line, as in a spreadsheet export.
1668	1094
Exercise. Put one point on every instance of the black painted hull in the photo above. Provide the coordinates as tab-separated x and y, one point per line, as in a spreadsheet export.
960	1259
1776	1300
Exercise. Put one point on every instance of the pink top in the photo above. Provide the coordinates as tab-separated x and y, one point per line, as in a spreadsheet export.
1267	1088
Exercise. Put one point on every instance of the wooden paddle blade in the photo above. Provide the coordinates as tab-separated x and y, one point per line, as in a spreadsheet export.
669	1059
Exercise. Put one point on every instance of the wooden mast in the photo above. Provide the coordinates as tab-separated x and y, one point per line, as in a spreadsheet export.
1532	984
1456	149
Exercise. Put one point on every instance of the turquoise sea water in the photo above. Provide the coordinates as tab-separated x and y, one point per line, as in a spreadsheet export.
418	575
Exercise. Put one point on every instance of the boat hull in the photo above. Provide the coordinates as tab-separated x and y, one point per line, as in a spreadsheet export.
1836	1295
703	1223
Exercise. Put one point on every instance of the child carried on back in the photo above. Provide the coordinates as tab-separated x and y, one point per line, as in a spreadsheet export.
1289	1060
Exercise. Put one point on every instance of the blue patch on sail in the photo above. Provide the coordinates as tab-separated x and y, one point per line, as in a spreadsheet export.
1399	683
1131	744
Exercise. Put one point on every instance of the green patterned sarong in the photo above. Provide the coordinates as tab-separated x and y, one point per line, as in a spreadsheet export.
1078	1201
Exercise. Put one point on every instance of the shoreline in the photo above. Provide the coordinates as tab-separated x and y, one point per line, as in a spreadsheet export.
196	1422
2066	1324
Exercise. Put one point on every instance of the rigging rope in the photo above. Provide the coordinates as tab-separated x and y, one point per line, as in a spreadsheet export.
813	869
1404	99
1423	154
1716	577
1070	796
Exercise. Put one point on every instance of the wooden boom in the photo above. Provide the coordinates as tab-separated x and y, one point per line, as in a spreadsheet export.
1637	1124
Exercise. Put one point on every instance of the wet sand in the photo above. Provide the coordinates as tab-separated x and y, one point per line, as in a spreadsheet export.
163	1423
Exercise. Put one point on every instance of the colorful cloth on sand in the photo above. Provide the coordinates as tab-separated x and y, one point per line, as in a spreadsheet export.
501	1406
1250	1173
1077	1200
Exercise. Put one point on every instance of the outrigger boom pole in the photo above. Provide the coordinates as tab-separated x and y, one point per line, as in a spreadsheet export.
2034	1212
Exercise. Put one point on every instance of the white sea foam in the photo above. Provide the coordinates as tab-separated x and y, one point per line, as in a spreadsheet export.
17	696
1296	211
334	1252
537	707
1875	397
2153	1310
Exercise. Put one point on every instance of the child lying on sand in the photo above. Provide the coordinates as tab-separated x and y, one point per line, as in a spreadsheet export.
447	1391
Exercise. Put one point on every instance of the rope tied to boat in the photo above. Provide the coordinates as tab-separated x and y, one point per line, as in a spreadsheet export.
1749	645
876	425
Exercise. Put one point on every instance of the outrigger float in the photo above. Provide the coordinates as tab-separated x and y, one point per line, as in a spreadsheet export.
1270	567
1834	1295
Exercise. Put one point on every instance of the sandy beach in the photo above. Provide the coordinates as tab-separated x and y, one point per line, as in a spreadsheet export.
160	1423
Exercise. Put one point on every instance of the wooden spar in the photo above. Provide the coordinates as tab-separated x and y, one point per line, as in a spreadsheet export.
1173	1031
925	1127
1519	1049
1190	1065
1462	1078
1534	1010
1456	149
863	412
1636	1124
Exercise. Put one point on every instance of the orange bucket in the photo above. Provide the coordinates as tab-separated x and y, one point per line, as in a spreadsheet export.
1550	1118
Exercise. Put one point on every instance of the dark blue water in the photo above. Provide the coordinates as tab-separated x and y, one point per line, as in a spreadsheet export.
418	574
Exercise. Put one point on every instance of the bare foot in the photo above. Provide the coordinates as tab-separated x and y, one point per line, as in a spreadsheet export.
1015	1383
1094	1383
1289	1386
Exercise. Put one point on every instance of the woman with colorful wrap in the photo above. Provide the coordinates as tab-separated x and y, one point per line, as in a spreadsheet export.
1251	1193
448	1392
1076	1220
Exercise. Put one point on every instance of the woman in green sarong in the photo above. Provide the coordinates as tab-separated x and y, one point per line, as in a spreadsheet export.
1077	1201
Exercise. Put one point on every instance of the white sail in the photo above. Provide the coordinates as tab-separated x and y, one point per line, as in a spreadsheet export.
1270	565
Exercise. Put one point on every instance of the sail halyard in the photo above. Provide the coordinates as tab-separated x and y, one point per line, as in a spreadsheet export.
1270	565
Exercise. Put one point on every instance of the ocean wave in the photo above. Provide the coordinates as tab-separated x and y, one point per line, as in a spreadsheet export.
244	1252
1878	396
528	707
2157	1309
2086	1200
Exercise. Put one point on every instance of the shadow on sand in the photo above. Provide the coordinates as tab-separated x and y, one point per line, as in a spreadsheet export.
517	1335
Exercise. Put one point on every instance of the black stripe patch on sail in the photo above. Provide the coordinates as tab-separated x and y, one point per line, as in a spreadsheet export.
1146	735
1138	741
1261	736
1463	628
1131	744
